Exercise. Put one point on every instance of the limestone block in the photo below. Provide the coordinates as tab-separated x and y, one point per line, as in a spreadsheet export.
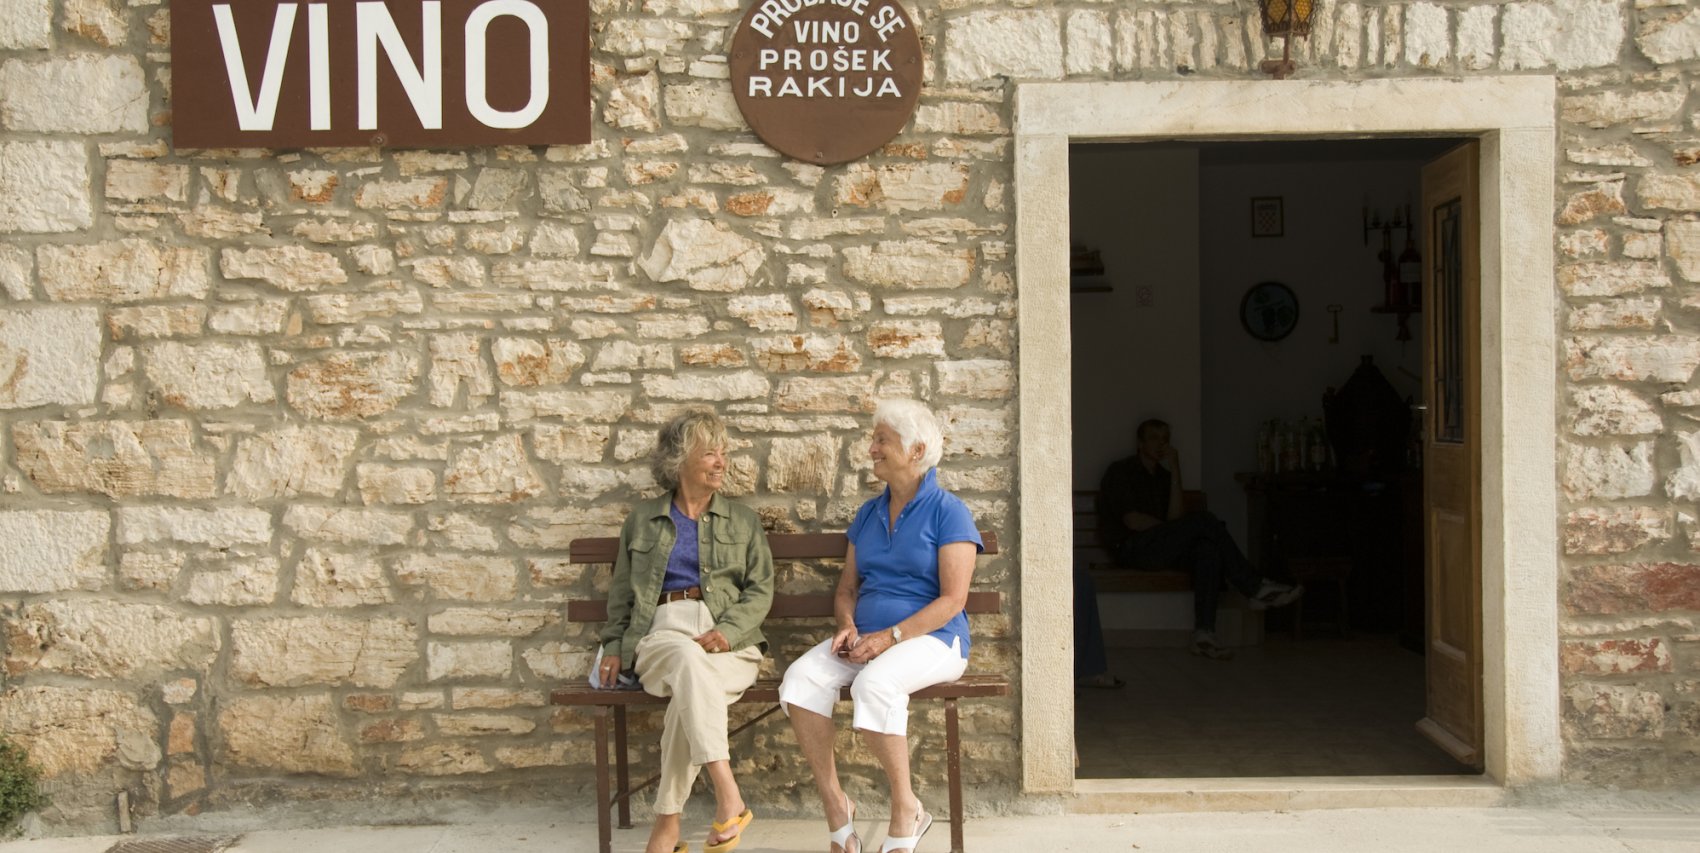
458	359
554	239
347	525
1605	199
980	379
573	406
393	730
1670	192
52	550
122	271
554	275
976	432
352	385
412	194
1591	242
1682	241
1428	42
292	461
1610	711
462	531
766	311
291	268
146	180
1594	530
634	104
116	458
1530	33
49	356
829	308
1605	109
554	529
465	725
626	355
155	321
496	472
332	650
17	271
209	375
903	186
558	661
806	465
1669	36
1590	33
1683	484
959	118
44	186
99	21
442	760
740	385
288	734
26	24
906	339
472	622
497	189
771	202
814	353
215	528
1013	44
1610	471
563	445
835	394
238	583
1664	358
527	362
712	355
460	577
390	484
1613	410
69	730
460	271
142	570
706	104
909	264
221	223
1637	313
1476	38
481	659
704	254
496	241
391	300
1614	656
111	94
107	639
649	35
1089	43
1628	589
326	578
255	317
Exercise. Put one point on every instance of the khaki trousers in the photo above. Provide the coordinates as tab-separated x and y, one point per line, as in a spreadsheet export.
701	686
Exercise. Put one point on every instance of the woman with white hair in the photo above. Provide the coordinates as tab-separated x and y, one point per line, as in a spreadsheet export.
693	581
899	605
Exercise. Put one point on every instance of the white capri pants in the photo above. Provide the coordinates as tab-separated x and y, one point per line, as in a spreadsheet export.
702	685
879	688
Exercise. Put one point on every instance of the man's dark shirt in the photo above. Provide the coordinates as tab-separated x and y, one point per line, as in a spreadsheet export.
1128	487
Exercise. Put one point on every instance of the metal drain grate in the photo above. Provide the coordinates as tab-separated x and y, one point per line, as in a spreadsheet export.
196	844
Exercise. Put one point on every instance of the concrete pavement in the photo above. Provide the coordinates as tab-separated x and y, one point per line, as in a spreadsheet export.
1663	824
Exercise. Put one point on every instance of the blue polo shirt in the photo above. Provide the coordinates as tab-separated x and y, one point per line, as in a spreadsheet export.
899	568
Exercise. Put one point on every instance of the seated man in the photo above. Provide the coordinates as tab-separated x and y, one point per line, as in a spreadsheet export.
1143	527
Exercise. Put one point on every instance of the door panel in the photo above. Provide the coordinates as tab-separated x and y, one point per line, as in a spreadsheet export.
1452	455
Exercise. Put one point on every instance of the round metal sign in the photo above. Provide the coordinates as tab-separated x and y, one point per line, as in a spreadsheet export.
826	81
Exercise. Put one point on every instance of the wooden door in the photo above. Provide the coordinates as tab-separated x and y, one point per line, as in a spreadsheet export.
1452	454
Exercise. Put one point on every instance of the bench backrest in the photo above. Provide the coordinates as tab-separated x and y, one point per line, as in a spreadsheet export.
785	546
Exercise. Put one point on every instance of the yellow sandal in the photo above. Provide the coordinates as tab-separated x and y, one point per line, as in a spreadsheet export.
728	845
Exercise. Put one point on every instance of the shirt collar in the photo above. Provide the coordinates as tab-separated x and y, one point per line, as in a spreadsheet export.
929	484
717	505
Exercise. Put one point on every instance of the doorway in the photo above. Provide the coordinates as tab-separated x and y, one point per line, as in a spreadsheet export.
1298	434
1513	119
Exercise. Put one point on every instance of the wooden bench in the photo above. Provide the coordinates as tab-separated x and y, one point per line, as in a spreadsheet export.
785	546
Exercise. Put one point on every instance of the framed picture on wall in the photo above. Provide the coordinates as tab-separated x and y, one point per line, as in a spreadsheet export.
1266	218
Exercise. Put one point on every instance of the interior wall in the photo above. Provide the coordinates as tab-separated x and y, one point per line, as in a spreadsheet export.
1136	348
1322	256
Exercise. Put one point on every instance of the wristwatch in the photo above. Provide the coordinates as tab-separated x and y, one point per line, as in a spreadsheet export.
896	634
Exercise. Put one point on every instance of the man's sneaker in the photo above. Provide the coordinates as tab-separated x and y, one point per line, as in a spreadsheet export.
1272	594
1204	645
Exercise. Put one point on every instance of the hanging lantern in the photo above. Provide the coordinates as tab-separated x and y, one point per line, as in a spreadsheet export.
1285	18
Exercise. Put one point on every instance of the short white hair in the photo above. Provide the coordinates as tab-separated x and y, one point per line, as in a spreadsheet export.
913	423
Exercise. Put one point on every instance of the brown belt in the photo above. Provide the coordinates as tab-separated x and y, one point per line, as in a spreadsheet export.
691	592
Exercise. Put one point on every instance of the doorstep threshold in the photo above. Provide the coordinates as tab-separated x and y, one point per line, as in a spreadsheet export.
1132	796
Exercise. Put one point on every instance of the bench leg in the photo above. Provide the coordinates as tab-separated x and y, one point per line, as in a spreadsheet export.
604	833
953	760
622	763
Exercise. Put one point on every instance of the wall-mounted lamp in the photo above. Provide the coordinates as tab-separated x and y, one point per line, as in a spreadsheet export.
1285	18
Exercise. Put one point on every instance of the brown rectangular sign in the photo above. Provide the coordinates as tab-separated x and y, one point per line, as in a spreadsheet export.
400	73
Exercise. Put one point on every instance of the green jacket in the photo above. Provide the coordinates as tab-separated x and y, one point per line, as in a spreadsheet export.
737	574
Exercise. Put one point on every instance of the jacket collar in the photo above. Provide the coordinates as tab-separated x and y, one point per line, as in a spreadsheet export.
662	506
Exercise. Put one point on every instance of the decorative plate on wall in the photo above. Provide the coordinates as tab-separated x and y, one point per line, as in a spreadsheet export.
1269	311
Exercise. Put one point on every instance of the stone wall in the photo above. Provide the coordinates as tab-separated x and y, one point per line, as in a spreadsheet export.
293	442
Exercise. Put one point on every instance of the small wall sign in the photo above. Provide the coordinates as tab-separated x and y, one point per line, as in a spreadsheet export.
403	73
826	81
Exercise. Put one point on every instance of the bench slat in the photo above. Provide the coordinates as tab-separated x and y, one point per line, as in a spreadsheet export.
766	691
785	546
784	606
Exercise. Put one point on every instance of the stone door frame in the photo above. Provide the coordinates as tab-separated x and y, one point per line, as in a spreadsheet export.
1514	117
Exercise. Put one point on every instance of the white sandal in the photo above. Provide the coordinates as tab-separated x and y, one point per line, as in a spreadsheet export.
922	824
842	835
